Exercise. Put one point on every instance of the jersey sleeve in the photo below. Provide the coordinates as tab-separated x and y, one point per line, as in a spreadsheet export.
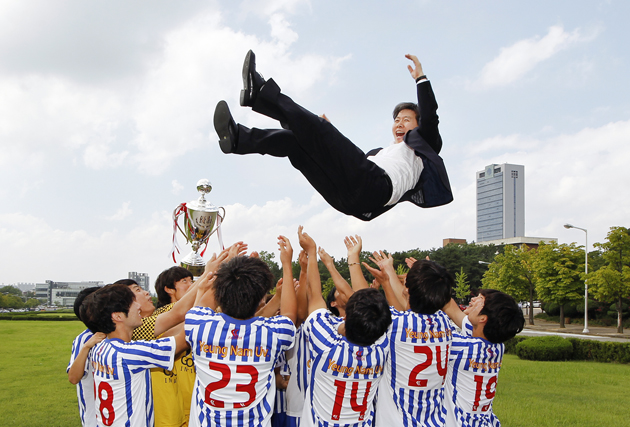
77	345
285	330
151	354
467	327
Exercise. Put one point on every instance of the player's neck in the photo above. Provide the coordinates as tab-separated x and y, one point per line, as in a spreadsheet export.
121	332
477	332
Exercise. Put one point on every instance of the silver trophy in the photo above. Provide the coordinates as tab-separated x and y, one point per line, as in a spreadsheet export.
201	220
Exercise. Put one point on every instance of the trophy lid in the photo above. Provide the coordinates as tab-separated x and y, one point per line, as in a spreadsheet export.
203	187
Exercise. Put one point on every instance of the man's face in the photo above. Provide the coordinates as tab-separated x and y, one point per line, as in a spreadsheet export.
144	299
181	287
134	318
475	307
403	123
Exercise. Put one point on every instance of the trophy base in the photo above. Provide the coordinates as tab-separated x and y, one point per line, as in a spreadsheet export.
193	263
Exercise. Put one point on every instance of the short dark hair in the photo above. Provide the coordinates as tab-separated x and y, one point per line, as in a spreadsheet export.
126	282
81	297
407	106
367	317
505	319
429	286
330	298
240	285
96	312
167	279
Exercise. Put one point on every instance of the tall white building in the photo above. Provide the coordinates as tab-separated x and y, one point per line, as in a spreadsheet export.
500	202
141	279
62	294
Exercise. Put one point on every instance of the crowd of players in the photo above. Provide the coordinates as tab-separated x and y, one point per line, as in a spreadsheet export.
220	351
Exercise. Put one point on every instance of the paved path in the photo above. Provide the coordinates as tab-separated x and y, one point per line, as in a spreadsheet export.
599	333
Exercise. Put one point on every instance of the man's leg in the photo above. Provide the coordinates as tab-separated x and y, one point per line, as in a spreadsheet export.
336	167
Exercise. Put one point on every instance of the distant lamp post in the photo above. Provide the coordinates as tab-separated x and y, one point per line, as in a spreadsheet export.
567	226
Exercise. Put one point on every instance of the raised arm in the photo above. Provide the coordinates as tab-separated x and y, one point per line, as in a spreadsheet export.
453	311
302	300
273	305
386	264
354	246
428	123
383	279
315	298
288	304
344	289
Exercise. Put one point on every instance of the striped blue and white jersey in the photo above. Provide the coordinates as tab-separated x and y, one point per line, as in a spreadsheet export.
122	380
280	405
85	387
412	391
344	376
297	359
235	360
471	381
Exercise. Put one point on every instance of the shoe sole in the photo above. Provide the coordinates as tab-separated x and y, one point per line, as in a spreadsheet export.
222	119
250	58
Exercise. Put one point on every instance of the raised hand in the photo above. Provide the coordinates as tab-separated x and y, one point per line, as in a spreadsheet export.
354	244
416	70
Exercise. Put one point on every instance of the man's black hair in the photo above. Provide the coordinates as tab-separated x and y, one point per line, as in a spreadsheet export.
240	285
429	286
96	312
330	298
407	106
167	279
81	296
126	282
505	319
367	317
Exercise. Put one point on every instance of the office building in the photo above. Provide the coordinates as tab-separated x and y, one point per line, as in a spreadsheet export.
500	202
141	279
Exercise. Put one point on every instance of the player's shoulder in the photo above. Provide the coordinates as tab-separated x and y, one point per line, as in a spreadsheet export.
83	337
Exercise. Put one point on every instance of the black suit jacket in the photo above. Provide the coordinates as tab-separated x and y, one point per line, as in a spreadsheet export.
433	187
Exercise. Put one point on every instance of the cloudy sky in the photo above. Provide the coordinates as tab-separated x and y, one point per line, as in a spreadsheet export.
106	120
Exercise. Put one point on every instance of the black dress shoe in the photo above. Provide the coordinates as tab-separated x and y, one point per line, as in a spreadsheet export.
226	128
252	81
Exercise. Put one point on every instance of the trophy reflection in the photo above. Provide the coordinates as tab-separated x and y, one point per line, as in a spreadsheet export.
201	220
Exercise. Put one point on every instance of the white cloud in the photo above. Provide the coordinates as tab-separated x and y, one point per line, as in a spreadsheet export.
123	212
177	187
517	60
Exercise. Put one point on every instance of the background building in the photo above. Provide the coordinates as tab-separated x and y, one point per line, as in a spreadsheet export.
500	202
141	279
62	294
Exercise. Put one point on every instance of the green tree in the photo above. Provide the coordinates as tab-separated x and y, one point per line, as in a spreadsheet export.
268	257
462	288
512	273
11	290
611	283
558	274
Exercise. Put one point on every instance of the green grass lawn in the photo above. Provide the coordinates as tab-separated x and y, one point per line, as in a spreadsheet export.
34	387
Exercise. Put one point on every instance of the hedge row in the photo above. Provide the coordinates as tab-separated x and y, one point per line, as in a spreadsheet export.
35	317
538	348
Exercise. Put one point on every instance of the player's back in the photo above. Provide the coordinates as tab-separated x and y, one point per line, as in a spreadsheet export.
234	360
474	365
412	390
122	383
344	376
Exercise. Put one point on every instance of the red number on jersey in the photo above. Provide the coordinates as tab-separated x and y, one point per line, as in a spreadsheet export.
414	381
106	403
356	407
224	381
491	388
226	374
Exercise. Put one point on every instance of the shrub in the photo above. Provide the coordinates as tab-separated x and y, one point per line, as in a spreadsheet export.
545	348
510	345
600	351
551	308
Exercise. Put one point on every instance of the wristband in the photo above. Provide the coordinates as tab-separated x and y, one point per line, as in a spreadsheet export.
421	78
353	263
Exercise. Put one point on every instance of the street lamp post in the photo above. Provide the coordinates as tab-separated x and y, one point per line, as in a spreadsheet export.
567	226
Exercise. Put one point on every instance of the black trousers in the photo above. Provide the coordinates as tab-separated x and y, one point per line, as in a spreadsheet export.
334	166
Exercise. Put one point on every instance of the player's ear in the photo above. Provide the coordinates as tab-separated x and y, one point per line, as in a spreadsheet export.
118	316
170	291
482	319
